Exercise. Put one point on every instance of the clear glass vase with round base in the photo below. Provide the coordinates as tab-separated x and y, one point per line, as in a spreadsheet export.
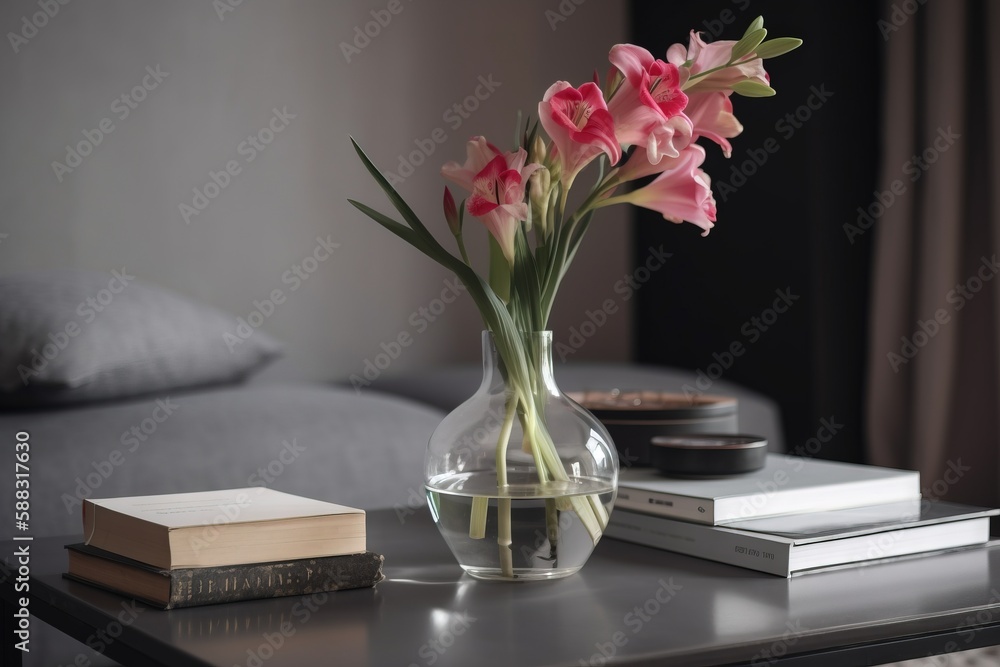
520	479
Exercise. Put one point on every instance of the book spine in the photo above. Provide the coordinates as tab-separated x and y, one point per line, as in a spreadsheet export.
685	508
213	585
701	541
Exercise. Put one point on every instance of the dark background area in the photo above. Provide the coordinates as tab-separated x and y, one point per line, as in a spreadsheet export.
780	220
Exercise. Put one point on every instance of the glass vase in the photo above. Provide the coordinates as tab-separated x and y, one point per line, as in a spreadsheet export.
520	479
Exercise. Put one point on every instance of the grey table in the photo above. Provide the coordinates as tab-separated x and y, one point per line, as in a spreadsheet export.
639	605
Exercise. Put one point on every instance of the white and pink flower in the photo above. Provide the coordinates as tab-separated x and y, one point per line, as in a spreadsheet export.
703	57
647	108
711	114
497	181
681	192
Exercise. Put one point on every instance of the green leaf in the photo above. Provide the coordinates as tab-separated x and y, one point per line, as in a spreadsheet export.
757	24
746	45
526	281
531	131
752	89
499	270
397	228
493	310
773	48
390	192
578	234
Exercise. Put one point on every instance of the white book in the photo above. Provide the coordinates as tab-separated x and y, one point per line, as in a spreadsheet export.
785	485
217	528
797	544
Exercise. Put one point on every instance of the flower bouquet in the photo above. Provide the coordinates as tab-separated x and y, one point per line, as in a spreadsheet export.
642	121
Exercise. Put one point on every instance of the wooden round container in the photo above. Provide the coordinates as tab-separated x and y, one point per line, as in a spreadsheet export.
634	418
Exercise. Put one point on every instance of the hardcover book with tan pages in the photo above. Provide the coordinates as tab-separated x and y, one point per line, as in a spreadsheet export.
216	528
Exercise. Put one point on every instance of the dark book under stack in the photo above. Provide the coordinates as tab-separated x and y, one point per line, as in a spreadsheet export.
189	549
795	515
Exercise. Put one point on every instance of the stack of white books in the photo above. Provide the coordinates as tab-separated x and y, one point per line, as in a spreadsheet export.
795	515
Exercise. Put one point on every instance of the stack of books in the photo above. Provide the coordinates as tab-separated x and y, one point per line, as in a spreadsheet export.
188	549
795	515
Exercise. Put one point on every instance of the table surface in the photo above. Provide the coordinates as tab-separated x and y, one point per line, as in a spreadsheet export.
642	605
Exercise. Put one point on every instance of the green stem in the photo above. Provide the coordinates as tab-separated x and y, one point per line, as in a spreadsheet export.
480	504
695	77
461	249
504	537
508	424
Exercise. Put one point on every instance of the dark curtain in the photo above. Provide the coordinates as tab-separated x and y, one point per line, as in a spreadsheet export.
783	279
933	374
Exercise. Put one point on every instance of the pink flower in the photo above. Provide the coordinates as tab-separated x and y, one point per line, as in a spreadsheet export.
578	122
497	182
682	192
479	153
639	165
711	113
647	107
705	56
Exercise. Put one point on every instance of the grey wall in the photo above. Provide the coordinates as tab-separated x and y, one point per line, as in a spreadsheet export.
223	78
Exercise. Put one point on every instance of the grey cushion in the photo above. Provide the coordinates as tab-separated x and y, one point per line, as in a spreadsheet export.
448	387
72	336
316	441
327	443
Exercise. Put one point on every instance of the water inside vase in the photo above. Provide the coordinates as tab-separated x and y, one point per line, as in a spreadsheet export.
548	539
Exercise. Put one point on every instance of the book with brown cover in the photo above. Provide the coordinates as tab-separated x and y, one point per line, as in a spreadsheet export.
189	587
